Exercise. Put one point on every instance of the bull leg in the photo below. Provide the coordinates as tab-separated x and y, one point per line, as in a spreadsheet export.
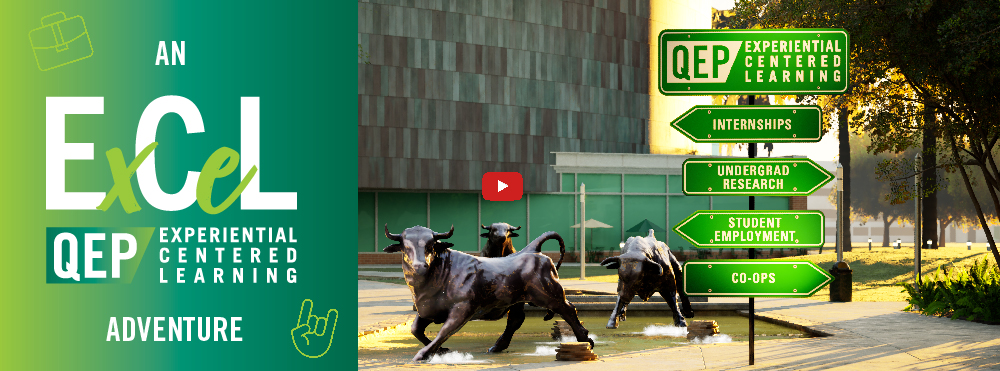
670	296
679	277
515	317
458	317
417	329
567	311
618	314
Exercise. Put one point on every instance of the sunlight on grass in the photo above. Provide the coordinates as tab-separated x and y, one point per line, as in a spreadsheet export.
877	272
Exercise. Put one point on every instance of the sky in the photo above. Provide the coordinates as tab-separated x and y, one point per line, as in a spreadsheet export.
722	4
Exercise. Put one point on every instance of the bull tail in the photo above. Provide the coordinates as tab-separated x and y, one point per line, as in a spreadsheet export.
535	247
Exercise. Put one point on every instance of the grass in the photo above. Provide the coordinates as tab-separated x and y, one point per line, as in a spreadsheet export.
877	272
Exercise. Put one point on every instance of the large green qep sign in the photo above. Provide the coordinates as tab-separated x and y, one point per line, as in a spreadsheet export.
783	61
753	278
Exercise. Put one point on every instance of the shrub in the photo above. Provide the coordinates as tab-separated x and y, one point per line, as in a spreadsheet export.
703	253
973	294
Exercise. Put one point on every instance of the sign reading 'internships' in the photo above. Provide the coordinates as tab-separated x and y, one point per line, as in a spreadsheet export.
785	61
726	124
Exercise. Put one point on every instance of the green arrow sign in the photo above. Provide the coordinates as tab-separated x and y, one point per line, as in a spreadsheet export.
753	278
747	228
753	177
727	124
785	61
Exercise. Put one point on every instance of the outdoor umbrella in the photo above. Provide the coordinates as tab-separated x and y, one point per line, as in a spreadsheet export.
591	223
644	226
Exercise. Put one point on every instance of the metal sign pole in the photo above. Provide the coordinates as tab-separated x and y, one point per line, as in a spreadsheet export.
583	231
916	218
751	153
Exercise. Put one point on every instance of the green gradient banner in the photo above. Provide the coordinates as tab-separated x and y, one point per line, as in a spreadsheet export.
179	183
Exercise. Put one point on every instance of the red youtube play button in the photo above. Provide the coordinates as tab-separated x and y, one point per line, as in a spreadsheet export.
503	186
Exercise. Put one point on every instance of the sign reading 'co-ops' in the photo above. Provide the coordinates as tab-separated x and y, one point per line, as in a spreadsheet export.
783	61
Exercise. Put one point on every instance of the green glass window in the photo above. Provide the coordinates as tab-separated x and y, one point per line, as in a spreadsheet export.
636	183
567	182
552	213
400	210
640	208
460	210
680	208
676	184
511	212
771	203
733	203
607	210
366	222
601	182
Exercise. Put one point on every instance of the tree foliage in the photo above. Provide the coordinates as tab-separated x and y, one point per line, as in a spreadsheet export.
915	63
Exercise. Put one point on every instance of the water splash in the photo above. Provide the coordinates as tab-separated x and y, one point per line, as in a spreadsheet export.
543	351
669	330
717	339
572	339
454	357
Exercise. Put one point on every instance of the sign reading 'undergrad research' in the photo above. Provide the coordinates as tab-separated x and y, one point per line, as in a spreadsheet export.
782	61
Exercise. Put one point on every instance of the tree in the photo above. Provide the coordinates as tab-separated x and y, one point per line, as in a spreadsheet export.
875	201
909	58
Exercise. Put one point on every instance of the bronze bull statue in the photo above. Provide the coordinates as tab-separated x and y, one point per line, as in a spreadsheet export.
646	267
452	287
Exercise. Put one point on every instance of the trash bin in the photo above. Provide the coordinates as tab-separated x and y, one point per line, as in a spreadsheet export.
840	288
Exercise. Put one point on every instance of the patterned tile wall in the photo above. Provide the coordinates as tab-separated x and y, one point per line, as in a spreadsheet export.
456	88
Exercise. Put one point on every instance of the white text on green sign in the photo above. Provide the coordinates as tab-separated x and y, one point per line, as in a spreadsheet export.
783	61
728	124
753	228
750	177
753	278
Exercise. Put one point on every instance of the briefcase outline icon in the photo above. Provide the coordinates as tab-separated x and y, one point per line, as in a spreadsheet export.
60	41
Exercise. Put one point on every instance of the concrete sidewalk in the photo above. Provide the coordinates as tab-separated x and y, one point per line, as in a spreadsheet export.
382	305
868	336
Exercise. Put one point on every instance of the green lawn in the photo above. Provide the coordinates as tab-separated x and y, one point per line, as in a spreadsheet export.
877	272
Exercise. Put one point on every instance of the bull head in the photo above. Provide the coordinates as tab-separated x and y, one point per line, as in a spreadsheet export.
420	246
498	233
641	265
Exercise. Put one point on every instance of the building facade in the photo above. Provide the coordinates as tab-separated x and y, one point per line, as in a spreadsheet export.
452	89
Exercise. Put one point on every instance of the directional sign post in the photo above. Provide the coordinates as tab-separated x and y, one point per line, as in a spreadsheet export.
786	61
748	229
728	124
753	278
753	177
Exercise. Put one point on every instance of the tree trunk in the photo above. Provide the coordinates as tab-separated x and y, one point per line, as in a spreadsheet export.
943	240
928	180
845	161
975	201
885	232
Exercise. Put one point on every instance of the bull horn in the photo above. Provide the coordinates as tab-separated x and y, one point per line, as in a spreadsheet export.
441	236
651	233
484	226
394	237
514	229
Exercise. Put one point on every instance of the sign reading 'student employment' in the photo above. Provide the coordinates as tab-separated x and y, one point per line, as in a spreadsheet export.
784	61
